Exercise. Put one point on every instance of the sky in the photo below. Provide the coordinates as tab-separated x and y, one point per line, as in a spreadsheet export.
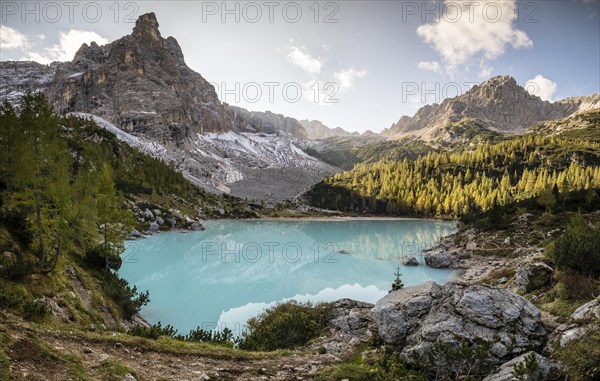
359	65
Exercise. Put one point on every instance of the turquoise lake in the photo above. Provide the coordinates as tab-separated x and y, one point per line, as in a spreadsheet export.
235	269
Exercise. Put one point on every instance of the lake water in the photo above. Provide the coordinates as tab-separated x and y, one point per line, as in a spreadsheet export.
235	269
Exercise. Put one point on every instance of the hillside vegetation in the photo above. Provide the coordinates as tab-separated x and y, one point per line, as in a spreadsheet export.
471	179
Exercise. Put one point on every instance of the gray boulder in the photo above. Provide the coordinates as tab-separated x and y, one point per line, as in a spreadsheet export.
415	318
438	258
545	370
582	322
533	276
410	261
351	317
197	226
154	227
160	221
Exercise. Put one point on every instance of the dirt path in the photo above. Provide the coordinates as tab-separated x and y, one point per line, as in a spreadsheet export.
56	356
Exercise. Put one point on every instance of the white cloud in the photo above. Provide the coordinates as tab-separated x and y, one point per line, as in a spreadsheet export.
346	78
468	30
67	46
433	66
541	87
11	38
300	57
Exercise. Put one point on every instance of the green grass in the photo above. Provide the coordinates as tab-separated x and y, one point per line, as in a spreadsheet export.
114	370
581	358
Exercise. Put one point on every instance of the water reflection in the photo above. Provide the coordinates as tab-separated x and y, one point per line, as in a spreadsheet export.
235	269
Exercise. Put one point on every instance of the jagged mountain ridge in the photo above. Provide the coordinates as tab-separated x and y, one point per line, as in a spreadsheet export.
141	84
316	130
498	104
140	87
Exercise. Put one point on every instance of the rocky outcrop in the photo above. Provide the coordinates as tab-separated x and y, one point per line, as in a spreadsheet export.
414	318
142	85
351	317
533	276
267	122
315	130
583	321
449	255
543	370
18	77
498	104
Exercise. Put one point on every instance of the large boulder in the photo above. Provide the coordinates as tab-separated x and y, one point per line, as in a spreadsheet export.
415	318
439	258
535	368
351	317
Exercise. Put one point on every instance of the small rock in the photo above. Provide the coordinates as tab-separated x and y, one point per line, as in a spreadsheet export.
129	377
507	241
502	280
154	227
197	226
412	261
135	234
160	221
87	350
118	345
148	214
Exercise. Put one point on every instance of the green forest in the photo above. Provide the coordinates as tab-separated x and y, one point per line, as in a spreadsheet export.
471	179
68	192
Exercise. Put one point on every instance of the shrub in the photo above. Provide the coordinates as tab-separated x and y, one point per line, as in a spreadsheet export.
102	257
200	335
10	298
35	310
578	249
580	357
464	361
16	267
125	296
285	326
577	286
155	331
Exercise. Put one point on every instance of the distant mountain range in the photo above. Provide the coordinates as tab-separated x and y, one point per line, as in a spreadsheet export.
498	104
141	87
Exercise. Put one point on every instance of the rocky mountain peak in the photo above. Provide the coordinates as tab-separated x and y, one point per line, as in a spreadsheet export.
499	104
142	85
502	87
147	25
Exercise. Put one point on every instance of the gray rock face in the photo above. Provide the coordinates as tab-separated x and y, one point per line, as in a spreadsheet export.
352	317
414	318
267	122
547	370
498	104
18	77
316	130
142	85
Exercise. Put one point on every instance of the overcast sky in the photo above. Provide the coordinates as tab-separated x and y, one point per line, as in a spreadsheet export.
356	64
